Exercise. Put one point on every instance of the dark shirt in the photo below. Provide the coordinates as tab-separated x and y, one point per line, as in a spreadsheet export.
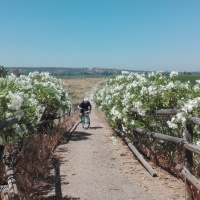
85	105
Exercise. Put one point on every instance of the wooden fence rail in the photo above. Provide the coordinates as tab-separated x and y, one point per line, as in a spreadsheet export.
8	122
136	152
179	141
185	142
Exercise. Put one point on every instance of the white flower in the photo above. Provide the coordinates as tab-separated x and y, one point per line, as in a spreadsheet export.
152	74
132	122
152	90
180	117
143	91
8	114
190	105
124	128
15	101
196	88
17	128
137	104
198	81
173	74
114	139
125	72
124	120
172	125
170	85
198	143
141	112
159	73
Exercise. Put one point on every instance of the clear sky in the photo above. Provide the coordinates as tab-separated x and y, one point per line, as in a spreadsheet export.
126	34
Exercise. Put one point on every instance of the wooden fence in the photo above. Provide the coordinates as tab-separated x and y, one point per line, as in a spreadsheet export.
10	191
186	143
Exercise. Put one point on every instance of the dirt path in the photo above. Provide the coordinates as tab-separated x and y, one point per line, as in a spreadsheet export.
94	165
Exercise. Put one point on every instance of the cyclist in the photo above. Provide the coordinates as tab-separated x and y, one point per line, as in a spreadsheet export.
85	105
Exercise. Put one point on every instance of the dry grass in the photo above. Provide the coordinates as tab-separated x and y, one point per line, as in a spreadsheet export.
37	160
78	87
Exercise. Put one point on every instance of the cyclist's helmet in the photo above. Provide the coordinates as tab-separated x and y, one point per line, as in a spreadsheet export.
86	100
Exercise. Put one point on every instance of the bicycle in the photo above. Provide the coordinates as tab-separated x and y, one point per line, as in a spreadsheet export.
85	120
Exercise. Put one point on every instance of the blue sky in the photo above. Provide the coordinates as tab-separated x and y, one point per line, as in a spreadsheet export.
126	34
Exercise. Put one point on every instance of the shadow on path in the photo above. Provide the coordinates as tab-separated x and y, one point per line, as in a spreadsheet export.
77	135
63	198
70	198
95	127
55	181
57	185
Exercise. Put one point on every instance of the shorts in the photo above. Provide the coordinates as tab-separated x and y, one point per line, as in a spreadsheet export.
81	110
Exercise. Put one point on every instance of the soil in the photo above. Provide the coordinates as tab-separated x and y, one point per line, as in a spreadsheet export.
97	165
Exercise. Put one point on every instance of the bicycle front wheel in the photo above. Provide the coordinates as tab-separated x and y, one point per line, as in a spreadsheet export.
85	121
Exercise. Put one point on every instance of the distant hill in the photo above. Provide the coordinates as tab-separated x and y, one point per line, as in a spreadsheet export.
67	72
74	72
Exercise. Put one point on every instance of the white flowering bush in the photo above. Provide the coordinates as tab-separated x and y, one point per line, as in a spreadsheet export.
145	93
26	97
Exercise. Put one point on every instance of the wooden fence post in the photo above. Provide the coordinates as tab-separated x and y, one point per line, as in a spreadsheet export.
11	178
64	116
188	159
59	120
